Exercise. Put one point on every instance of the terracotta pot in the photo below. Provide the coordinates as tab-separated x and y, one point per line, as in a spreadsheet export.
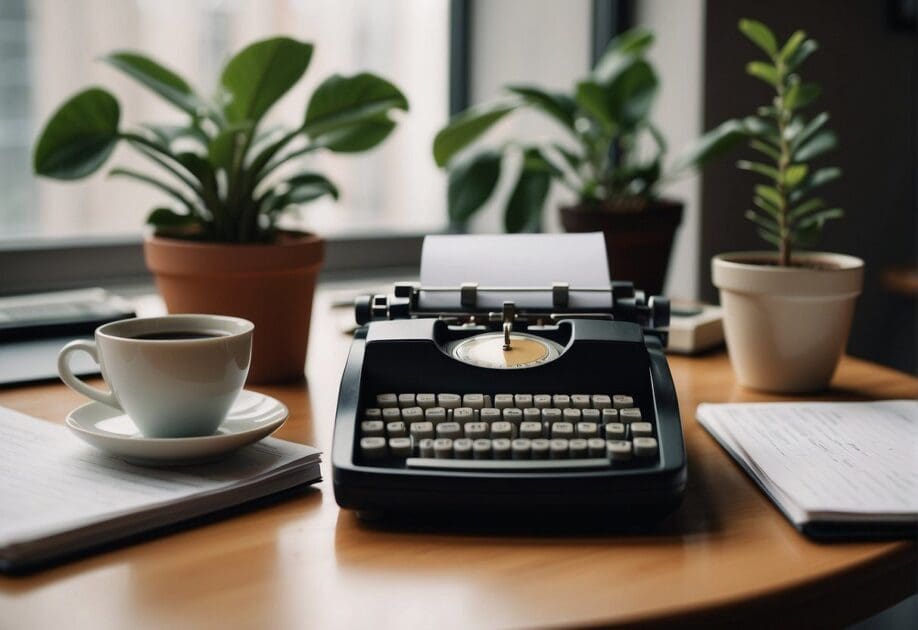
786	327
270	285
638	242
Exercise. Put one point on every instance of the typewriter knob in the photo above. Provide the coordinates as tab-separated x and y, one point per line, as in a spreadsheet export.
362	310
659	310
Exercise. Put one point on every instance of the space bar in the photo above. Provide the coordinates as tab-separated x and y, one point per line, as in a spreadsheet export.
507	464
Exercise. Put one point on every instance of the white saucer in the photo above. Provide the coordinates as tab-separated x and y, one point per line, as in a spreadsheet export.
252	417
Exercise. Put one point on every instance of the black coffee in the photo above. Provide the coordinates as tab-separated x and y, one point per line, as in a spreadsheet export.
176	335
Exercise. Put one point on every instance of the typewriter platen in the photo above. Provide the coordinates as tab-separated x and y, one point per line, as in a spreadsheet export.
561	397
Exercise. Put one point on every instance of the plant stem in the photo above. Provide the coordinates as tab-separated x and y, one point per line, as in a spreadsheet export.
784	246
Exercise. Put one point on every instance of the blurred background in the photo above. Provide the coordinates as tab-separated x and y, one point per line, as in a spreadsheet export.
449	54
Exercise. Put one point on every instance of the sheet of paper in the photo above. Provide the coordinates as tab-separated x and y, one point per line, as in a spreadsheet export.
53	482
515	260
845	458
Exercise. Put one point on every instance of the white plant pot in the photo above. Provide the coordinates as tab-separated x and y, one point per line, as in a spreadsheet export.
786	327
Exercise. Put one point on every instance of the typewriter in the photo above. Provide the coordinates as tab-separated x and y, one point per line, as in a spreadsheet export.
497	397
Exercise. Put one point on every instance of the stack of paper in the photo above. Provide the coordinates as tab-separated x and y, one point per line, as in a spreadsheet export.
832	468
59	496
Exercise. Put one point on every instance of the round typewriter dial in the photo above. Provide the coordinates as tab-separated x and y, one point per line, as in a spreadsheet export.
487	350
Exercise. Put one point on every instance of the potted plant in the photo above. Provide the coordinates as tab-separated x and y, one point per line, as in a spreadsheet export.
787	314
219	249
604	159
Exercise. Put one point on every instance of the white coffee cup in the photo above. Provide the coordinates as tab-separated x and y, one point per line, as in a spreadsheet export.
175	376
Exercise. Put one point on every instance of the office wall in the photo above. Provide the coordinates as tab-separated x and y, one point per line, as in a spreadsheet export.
868	72
678	56
526	41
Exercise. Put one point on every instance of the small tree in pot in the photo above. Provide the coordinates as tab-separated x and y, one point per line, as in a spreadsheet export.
218	249
787	314
604	160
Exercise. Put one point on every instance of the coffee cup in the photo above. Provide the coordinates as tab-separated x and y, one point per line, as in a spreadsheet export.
175	375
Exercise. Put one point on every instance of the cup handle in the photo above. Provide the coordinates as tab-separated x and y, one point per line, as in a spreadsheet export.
74	383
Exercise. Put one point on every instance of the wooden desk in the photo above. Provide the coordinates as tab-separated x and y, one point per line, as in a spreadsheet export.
726	556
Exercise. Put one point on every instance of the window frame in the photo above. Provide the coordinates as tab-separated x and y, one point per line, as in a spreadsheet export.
36	264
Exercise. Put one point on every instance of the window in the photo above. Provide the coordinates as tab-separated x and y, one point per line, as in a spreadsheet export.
49	50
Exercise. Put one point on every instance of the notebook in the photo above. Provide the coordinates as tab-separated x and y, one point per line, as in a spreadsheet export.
59	496
836	470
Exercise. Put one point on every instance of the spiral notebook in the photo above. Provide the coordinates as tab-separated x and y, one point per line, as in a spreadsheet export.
60	497
836	470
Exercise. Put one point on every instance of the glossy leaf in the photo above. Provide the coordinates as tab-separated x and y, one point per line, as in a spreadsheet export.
467	127
259	75
471	183
801	94
358	137
591	97
792	44
715	142
160	80
760	35
558	105
807	130
817	145
621	52
794	175
631	95
342	104
764	71
527	200
766	206
770	195
168	218
79	137
803	51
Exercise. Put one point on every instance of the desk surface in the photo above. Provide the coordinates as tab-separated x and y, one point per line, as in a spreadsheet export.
726	555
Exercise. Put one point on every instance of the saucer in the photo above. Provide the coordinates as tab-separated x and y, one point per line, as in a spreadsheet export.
252	417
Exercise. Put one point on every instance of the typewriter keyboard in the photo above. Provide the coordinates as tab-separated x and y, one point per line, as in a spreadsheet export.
506	431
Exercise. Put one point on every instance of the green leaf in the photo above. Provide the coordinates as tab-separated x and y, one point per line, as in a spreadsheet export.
801	94
591	97
526	201
466	127
768	150
823	176
558	105
766	206
794	175
764	71
819	218
621	52
820	143
762	129
805	208
168	218
790	47
358	137
803	51
631	95
297	190
760	35
807	130
712	144
769	237
160	80
152	181
771	195
259	75
342	104
79	137
471	182
756	167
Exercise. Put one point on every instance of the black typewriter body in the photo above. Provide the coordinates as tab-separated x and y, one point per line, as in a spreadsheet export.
397	349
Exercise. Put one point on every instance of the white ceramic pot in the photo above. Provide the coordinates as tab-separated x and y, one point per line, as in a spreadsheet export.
786	327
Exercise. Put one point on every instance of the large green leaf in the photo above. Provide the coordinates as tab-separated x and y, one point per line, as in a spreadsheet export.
620	52
466	127
342	104
258	75
159	79
556	104
716	142
632	93
526	201
79	137
592	99
760	35
471	182
358	137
